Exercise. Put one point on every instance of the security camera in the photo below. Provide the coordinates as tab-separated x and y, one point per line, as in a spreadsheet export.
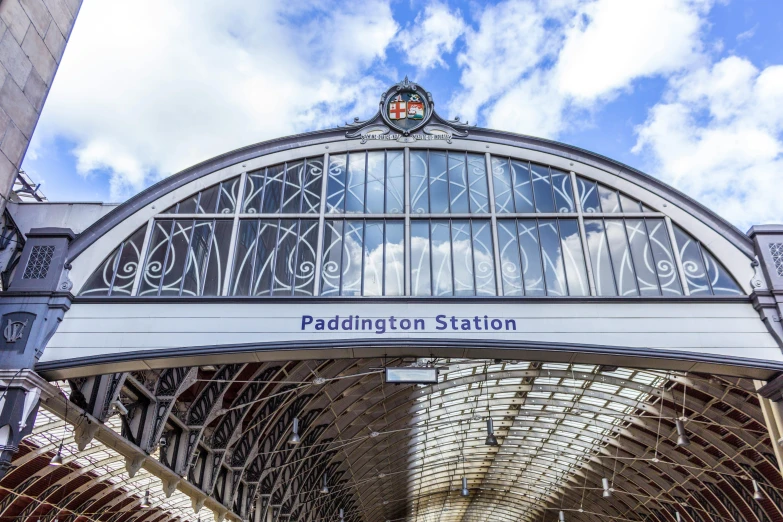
163	442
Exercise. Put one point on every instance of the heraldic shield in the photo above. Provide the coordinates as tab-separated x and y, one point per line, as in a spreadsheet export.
407	108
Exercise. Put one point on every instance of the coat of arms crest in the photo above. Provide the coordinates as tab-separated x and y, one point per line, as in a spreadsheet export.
407	107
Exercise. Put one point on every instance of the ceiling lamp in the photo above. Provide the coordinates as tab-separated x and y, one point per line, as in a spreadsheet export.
605	483
57	460
325	487
491	439
465	492
295	433
342	515
679	518
682	437
561	517
146	502
757	495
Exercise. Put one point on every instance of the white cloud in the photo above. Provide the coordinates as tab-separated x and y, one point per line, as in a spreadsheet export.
148	88
718	136
542	61
433	34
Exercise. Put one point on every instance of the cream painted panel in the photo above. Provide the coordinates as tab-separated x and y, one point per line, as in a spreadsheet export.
725	329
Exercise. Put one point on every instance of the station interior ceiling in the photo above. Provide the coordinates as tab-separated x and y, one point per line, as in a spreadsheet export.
574	442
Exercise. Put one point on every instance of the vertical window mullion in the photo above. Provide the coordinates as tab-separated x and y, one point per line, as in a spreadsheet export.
583	233
298	238
406	208
541	252
366	182
319	248
706	267
652	255
432	266
232	244
494	223
254	260
342	252
617	283
386	184
383	256
472	256
363	251
143	255
677	258
532	190
447	175
116	266
451	257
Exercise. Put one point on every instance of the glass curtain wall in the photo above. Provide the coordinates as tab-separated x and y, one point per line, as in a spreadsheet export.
456	224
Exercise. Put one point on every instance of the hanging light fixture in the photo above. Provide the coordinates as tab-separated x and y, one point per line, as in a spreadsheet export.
295	433
679	518
342	515
561	517
146	502
57	460
605	483
325	487
757	495
491	439
465	492
682	437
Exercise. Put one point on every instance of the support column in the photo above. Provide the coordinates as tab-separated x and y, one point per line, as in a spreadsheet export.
773	418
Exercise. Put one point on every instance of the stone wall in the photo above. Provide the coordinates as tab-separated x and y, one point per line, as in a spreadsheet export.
33	34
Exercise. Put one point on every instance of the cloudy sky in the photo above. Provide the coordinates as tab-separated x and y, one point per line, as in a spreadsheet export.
690	91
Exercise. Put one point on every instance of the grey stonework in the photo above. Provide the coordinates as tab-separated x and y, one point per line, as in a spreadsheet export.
33	35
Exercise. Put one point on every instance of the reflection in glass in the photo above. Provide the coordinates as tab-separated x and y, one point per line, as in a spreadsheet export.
646	275
420	258
665	264
355	183
458	183
573	257
625	275
603	275
290	188
551	253
420	202
375	182
477	181
609	201
440	239
335	188
563	191
395	182
542	188
438	183
532	262
588	195
363	258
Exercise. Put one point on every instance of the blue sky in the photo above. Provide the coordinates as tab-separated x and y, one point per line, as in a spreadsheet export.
690	91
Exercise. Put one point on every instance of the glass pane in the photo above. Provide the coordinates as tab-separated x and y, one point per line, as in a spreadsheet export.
263	265
395	182
305	257
643	261
156	255
588	195
477	179
218	258
624	274
332	257
510	265
189	205
375	182
599	257
458	183
564	194
609	201
352	258
208	202
171	210
292	189
483	258
553	258
530	253
273	189
501	179
229	192
665	264
420	203
439	188
311	185
354	202
196	263
420	258
128	263
176	258
285	258
100	281
254	190
462	248
441	258
574	258
630	205
335	188
542	189
720	280
394	271
523	188
373	258
692	263
242	271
